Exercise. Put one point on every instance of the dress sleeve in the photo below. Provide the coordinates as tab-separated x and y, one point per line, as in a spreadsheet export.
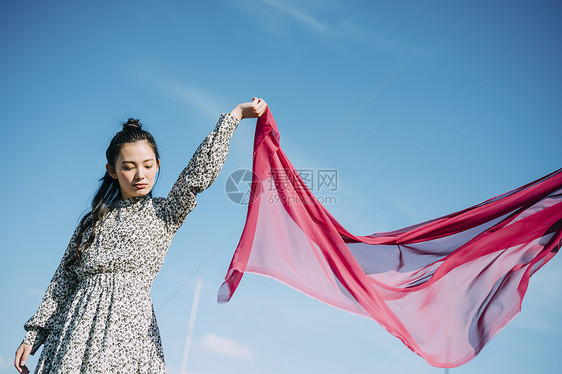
201	171
63	284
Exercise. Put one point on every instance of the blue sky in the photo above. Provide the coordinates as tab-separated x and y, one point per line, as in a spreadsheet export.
423	108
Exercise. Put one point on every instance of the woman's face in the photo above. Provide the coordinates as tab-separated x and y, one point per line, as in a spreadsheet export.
135	169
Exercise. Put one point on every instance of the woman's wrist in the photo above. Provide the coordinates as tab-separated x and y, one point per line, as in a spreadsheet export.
237	112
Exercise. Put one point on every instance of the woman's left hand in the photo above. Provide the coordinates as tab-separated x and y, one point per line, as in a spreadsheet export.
21	357
253	109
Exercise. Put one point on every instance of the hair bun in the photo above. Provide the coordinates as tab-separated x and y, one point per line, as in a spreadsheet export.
132	124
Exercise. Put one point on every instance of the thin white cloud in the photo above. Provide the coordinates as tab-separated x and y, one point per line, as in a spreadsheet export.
172	369
331	19
3	364
298	15
225	346
320	17
208	103
35	292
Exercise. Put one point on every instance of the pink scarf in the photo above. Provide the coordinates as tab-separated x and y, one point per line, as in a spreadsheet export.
443	287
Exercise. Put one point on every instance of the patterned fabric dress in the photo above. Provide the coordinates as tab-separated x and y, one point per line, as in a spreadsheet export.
98	317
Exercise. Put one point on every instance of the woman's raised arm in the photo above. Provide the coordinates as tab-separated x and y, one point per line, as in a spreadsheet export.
206	163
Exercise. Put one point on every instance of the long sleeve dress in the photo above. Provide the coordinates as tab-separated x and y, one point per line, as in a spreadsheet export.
98	317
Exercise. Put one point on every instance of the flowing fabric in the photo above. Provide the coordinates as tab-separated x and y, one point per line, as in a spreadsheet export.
444	287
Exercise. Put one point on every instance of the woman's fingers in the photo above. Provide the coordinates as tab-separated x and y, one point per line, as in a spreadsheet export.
22	355
17	360
26	352
252	109
259	106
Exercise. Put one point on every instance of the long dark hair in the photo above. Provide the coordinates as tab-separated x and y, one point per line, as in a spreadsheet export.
109	190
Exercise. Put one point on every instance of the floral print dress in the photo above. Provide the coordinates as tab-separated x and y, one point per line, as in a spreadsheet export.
98	317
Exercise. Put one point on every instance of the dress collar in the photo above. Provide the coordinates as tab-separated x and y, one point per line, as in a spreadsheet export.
132	201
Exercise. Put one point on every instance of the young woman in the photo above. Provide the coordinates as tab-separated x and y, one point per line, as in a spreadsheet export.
97	314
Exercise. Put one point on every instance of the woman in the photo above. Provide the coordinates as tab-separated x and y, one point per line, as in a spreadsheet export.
97	314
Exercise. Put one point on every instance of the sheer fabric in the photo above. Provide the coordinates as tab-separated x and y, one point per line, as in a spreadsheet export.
444	287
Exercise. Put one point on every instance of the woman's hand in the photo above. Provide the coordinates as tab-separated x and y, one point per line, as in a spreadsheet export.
253	109
21	357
